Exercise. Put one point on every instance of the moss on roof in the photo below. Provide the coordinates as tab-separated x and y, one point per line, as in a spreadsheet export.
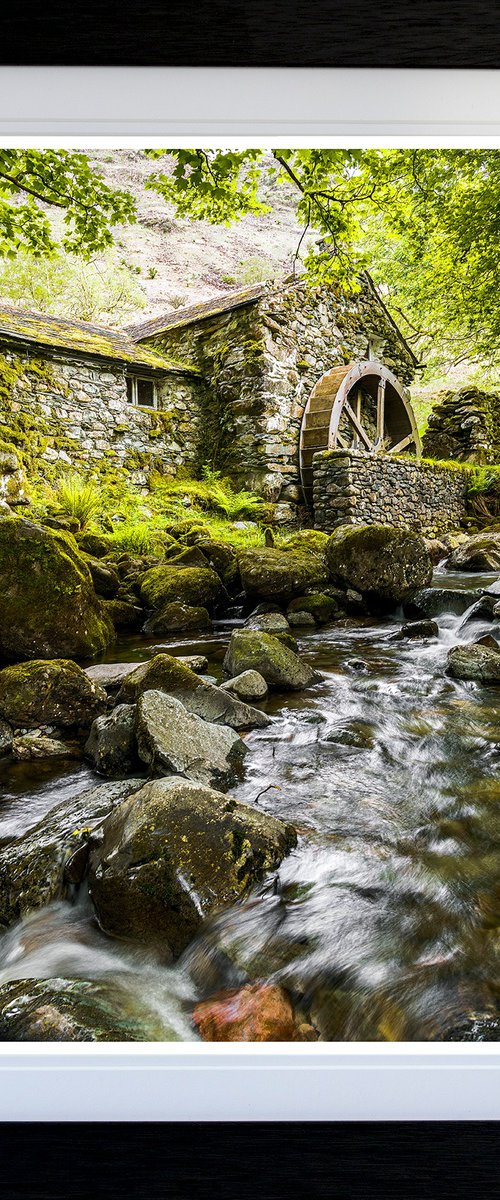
96	341
196	312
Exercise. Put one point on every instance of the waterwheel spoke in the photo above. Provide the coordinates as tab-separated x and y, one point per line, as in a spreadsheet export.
357	425
379	441
406	441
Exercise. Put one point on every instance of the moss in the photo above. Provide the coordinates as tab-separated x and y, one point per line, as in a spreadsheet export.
198	586
162	673
48	607
56	693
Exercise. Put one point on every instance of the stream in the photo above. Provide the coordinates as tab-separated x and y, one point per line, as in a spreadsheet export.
383	923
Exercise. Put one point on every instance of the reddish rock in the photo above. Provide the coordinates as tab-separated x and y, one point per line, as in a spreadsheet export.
257	1013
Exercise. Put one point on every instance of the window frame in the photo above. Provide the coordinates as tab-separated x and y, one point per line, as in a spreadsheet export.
134	402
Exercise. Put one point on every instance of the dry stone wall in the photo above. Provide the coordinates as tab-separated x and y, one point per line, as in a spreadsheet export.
464	425
76	412
261	362
352	488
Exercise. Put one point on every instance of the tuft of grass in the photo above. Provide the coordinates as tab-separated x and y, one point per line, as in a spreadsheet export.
76	497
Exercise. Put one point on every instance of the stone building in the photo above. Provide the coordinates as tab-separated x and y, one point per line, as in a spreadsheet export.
76	393
224	383
260	351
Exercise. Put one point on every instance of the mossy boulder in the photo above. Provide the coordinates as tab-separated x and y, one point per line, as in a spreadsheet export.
385	565
178	618
475	662
104	577
75	1010
111	745
48	606
198	587
251	650
173	854
49	693
271	574
312	541
479	553
124	615
223	559
167	674
321	607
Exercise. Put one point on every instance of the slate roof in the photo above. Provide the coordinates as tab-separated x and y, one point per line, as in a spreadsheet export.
18	325
197	312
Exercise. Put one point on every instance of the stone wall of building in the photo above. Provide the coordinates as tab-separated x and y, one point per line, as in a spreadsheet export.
352	488
262	360
464	425
62	410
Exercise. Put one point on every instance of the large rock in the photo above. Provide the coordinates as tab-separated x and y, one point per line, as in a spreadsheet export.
74	1010
167	674
172	741
198	587
247	686
385	565
280	575
111	745
174	853
475	662
48	606
479	553
37	868
321	607
30	747
49	693
259	1012
250	650
178	618
430	602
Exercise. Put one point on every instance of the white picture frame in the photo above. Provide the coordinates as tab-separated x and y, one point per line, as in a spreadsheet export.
205	1082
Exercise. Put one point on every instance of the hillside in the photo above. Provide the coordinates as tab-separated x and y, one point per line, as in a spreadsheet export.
180	262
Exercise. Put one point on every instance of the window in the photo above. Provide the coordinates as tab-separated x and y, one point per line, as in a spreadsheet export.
141	391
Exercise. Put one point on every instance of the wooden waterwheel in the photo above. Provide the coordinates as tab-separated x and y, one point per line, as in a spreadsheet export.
361	406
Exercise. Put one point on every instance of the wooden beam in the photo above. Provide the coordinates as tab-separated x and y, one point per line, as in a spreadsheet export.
380	412
402	444
357	425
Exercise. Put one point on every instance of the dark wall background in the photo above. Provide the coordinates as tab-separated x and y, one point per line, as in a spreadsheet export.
363	33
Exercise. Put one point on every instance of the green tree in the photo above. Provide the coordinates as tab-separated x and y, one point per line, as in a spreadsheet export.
67	285
426	222
34	183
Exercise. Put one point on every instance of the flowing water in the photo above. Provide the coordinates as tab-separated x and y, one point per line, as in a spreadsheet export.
383	923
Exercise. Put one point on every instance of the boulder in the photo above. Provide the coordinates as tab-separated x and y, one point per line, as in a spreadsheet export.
28	747
110	675
223	559
479	553
385	565
270	622
198	587
474	661
49	693
321	607
124	615
259	1012
248	686
104	577
174	853
279	575
111	746
430	602
417	629
178	618
48	606
301	619
37	868
170	740
250	650
307	541
167	674
73	1010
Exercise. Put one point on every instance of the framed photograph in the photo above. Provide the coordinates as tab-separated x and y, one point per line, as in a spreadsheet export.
249	556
